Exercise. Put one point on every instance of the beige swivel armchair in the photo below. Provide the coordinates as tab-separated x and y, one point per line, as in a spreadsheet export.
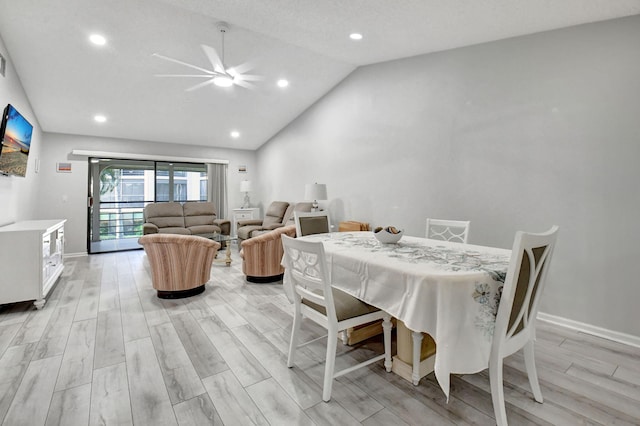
262	255
180	264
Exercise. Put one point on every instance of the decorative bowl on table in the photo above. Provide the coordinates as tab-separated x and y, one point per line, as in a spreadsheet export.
388	234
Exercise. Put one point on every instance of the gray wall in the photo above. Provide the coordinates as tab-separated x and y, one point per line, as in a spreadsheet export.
64	195
518	134
17	194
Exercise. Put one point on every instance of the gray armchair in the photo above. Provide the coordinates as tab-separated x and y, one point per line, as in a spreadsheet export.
274	218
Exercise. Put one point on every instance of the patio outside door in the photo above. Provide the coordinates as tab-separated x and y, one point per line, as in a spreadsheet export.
118	192
120	189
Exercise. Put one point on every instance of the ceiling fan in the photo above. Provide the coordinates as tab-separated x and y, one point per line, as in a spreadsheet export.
220	75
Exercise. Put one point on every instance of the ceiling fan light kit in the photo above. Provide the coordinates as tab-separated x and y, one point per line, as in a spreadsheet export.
223	81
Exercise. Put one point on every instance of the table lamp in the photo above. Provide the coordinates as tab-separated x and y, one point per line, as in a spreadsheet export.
315	192
245	186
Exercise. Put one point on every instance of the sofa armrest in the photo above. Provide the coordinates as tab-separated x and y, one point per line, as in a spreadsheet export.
251	222
149	228
224	225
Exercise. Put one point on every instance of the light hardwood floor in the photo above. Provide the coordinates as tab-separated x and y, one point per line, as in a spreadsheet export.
106	350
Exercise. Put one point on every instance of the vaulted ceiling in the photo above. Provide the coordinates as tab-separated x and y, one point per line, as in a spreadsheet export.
68	80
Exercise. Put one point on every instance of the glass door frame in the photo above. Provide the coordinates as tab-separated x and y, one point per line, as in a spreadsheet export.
151	186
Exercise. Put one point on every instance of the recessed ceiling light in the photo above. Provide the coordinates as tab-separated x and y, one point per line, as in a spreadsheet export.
235	134
283	83
355	36
97	39
100	118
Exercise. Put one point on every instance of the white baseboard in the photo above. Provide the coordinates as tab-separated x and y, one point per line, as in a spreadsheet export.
627	339
81	254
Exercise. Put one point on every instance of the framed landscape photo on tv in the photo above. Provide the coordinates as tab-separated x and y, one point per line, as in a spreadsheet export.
15	135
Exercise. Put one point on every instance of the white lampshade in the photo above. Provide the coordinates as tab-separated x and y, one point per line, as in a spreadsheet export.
315	191
245	186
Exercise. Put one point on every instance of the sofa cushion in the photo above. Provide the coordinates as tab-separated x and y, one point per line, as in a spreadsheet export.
204	229
198	213
165	215
275	213
175	230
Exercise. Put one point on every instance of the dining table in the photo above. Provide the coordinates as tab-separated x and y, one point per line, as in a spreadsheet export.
448	290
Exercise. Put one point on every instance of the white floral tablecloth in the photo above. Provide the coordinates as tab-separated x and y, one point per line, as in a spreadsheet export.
449	290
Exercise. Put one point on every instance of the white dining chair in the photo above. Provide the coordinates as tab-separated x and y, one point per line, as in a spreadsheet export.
516	316
448	230
308	223
333	309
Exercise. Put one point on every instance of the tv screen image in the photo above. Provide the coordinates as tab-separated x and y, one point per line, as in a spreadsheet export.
16	134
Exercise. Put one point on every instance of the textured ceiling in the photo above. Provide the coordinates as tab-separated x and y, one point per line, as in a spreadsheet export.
68	80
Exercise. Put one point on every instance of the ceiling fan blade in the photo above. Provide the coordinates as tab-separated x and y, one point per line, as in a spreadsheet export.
244	84
242	68
250	77
215	60
166	58
199	85
184	75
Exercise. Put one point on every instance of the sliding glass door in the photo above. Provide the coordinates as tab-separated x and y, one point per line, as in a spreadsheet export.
181	182
119	190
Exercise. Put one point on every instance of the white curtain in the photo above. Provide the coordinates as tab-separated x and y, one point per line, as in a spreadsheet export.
217	188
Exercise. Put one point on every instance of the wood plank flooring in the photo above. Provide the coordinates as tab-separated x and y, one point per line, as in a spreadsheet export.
105	350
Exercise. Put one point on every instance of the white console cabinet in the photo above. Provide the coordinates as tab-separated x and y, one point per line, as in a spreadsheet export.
243	214
31	260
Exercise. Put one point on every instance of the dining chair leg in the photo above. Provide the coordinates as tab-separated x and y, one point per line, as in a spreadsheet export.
417	346
295	332
386	329
530	364
497	390
330	364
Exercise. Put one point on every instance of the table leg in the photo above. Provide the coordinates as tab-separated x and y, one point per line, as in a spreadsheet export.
417	345
387	326
228	254
403	362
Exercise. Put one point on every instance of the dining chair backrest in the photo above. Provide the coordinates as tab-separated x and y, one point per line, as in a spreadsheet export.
516	316
523	285
307	270
448	230
308	223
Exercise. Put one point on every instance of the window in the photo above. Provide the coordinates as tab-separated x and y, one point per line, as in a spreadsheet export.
181	182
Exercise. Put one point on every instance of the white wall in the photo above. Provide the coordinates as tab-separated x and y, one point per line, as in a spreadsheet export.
64	195
17	194
518	134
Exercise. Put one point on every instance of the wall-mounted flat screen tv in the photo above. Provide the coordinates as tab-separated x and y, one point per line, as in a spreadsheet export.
15	135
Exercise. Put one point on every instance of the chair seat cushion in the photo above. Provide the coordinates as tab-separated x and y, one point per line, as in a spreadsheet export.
203	229
246	232
175	230
347	306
